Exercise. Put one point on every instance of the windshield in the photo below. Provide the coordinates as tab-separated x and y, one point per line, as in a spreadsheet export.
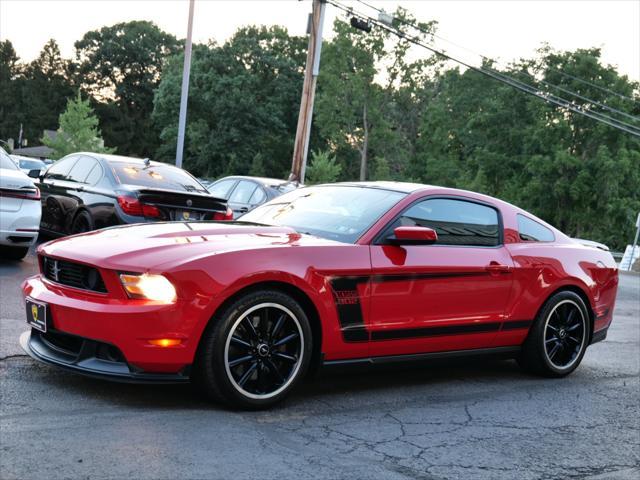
6	162
166	177
336	212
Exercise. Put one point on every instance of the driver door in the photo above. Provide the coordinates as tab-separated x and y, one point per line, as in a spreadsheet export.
451	295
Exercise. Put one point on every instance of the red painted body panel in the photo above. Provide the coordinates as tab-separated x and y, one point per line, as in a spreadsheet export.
366	296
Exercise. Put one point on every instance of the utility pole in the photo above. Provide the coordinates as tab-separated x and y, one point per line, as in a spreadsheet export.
186	70
303	131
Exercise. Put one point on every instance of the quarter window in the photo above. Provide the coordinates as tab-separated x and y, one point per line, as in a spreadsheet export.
258	197
242	193
457	222
81	169
94	175
222	188
532	231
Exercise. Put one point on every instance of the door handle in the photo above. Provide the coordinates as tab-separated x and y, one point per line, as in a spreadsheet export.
243	209
495	267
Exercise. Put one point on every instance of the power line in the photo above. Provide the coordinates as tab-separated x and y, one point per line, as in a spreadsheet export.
578	79
548	97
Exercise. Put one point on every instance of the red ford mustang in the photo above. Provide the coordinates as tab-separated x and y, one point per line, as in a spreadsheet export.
345	273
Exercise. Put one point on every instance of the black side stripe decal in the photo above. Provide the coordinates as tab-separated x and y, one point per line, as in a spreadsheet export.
434	331
345	293
347	299
516	324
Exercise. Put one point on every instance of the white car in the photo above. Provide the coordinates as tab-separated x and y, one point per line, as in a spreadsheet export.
27	164
20	210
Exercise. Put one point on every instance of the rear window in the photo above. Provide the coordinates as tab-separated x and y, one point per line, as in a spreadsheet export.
160	176
6	162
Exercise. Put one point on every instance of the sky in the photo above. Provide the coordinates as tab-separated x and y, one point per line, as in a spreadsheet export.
505	30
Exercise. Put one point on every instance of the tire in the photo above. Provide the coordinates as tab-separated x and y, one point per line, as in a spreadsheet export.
13	253
558	338
82	223
255	352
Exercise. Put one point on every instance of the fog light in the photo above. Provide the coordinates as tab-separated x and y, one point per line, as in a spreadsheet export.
149	287
165	342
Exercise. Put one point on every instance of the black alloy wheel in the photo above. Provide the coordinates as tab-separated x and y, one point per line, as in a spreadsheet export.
82	223
565	334
255	351
264	350
559	336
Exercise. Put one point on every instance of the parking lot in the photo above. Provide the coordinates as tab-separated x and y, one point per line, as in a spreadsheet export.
453	420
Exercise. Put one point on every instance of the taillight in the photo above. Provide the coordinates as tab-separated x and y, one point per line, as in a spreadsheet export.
133	206
150	211
228	215
130	205
30	194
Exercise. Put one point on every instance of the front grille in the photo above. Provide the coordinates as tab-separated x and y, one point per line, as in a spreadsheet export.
73	274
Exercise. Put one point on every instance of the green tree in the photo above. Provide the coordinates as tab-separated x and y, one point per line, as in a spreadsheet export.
356	106
11	82
322	169
120	66
78	131
243	101
47	86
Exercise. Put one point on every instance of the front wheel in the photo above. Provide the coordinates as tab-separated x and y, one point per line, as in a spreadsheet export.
254	353
559	337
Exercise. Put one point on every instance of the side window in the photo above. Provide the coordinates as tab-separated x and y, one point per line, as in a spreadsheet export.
81	169
222	188
95	175
532	231
243	192
457	222
60	169
258	197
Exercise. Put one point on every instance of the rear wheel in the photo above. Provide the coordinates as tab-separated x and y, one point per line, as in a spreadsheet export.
82	223
558	339
13	253
254	353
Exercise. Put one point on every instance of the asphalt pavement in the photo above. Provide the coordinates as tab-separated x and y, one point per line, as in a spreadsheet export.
468	419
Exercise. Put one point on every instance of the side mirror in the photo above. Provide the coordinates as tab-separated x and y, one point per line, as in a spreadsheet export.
414	236
35	173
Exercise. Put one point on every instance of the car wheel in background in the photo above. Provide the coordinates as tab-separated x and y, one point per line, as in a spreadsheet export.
254	352
13	253
82	223
558	338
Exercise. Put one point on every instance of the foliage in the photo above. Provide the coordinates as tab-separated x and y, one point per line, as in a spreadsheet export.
78	131
33	94
120	66
323	168
354	111
243	101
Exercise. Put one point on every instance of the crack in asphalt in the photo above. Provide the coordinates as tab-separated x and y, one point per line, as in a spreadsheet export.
6	357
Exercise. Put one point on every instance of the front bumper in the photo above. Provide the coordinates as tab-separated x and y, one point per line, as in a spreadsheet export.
86	360
126	325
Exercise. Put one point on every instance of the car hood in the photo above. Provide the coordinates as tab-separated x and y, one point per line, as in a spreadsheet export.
163	246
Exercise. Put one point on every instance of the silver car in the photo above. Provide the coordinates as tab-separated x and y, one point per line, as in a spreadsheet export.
20	210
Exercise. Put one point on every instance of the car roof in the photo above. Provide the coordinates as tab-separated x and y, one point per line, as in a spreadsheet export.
122	159
403	187
265	181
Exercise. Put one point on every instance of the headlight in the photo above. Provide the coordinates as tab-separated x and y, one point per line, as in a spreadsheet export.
148	286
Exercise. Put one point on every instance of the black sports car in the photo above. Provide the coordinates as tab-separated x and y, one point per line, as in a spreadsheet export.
246	193
87	191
